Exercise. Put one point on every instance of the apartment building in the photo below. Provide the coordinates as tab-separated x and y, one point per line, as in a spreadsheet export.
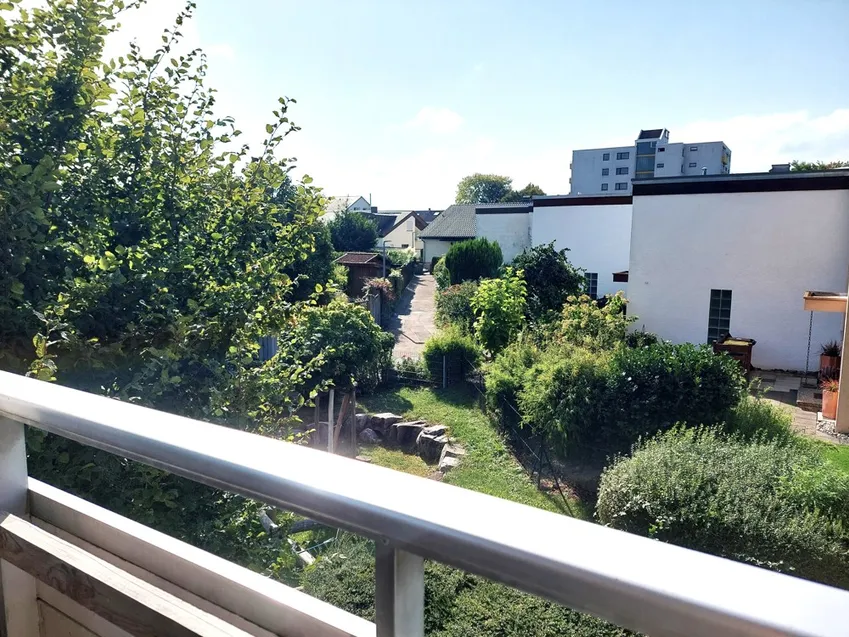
611	170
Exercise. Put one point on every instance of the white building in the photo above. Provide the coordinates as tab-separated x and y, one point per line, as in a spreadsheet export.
611	170
736	254
342	203
597	231
399	230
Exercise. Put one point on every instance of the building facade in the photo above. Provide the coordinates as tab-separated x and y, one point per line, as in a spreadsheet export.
611	170
736	254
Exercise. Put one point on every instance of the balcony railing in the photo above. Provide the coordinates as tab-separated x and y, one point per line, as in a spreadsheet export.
641	584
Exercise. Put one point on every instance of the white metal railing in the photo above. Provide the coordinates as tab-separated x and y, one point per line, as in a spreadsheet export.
645	585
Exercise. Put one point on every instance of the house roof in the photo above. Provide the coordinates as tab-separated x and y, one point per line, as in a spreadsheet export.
652	133
458	221
743	182
427	215
360	258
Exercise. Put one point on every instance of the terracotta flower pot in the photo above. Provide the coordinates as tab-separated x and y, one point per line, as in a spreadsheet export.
829	404
829	365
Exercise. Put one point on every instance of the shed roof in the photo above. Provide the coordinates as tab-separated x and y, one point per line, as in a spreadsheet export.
360	258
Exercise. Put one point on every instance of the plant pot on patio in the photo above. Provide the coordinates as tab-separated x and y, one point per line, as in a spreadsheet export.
830	389
830	360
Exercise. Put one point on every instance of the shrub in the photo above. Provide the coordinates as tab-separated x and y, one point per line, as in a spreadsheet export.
597	328
754	417
499	307
400	258
457	604
352	231
774	505
606	402
473	259
454	306
459	350
551	279
507	376
440	275
641	338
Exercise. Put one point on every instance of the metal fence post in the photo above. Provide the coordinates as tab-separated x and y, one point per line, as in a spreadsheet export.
444	373
398	592
330	441
18	609
354	420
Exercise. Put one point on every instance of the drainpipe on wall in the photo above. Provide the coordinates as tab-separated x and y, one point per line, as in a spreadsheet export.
842	424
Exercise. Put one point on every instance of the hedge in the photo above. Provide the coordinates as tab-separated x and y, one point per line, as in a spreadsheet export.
456	604
454	307
776	505
460	352
473	259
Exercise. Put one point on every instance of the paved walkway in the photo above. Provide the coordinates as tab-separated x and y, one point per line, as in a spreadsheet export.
413	323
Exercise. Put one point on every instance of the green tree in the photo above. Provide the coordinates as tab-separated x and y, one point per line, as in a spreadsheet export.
480	188
352	231
499	306
550	277
473	259
816	166
525	193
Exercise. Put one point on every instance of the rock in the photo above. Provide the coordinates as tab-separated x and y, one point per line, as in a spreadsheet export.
404	434
363	459
430	442
381	422
369	436
451	451
448	463
363	421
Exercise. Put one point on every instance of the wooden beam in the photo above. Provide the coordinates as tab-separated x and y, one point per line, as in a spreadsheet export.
122	599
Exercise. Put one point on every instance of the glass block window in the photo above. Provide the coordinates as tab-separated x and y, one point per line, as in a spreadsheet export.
592	283
719	316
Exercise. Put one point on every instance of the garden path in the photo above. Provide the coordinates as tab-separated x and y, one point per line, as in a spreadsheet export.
413	322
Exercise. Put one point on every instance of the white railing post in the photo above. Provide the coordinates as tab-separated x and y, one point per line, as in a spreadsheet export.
398	592
18	608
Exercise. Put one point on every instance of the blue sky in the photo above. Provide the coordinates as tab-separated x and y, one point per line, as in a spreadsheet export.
401	99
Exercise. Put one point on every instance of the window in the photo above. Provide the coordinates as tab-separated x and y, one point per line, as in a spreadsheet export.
604	187
719	316
692	164
660	165
622	171
405	245
605	172
661	150
592	283
693	148
622	185
625	155
605	157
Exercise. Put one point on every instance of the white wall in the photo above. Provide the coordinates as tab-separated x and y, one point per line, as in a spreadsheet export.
768	248
434	248
598	238
587	166
511	230
405	233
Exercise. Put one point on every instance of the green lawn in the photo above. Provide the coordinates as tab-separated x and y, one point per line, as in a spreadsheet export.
489	466
837	454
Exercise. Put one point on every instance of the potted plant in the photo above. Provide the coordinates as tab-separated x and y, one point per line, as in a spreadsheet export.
830	360
830	389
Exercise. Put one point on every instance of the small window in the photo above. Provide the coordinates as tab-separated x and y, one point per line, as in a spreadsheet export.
604	187
660	165
622	171
693	164
693	148
624	155
719	315
605	157
405	245
622	185
661	150
592	283
605	172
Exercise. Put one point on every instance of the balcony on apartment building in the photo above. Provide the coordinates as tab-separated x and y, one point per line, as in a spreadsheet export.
72	568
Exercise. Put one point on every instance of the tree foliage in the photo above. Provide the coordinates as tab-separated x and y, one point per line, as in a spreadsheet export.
499	306
480	188
352	231
550	277
586	324
525	193
473	259
816	166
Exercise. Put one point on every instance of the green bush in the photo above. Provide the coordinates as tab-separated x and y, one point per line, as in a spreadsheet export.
400	258
507	375
597	328
456	604
641	338
459	350
454	307
604	402
551	278
778	506
473	259
755	417
440	274
499	307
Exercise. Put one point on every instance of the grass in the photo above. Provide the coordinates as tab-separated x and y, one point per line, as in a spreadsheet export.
838	455
489	466
398	460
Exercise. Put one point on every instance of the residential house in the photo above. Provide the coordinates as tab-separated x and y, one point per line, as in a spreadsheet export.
399	230
342	203
736	254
